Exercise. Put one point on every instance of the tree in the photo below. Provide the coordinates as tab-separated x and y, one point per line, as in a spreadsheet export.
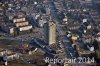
95	44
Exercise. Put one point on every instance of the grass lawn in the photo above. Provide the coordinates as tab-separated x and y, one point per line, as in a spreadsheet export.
82	50
99	45
19	64
2	37
98	54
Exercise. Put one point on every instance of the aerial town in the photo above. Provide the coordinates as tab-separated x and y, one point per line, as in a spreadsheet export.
49	32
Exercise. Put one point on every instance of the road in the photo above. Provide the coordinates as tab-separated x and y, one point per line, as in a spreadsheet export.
45	48
60	30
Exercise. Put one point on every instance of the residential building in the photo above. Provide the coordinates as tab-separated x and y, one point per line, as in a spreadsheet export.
50	33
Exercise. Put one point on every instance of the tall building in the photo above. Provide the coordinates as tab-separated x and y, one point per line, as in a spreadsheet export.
50	33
